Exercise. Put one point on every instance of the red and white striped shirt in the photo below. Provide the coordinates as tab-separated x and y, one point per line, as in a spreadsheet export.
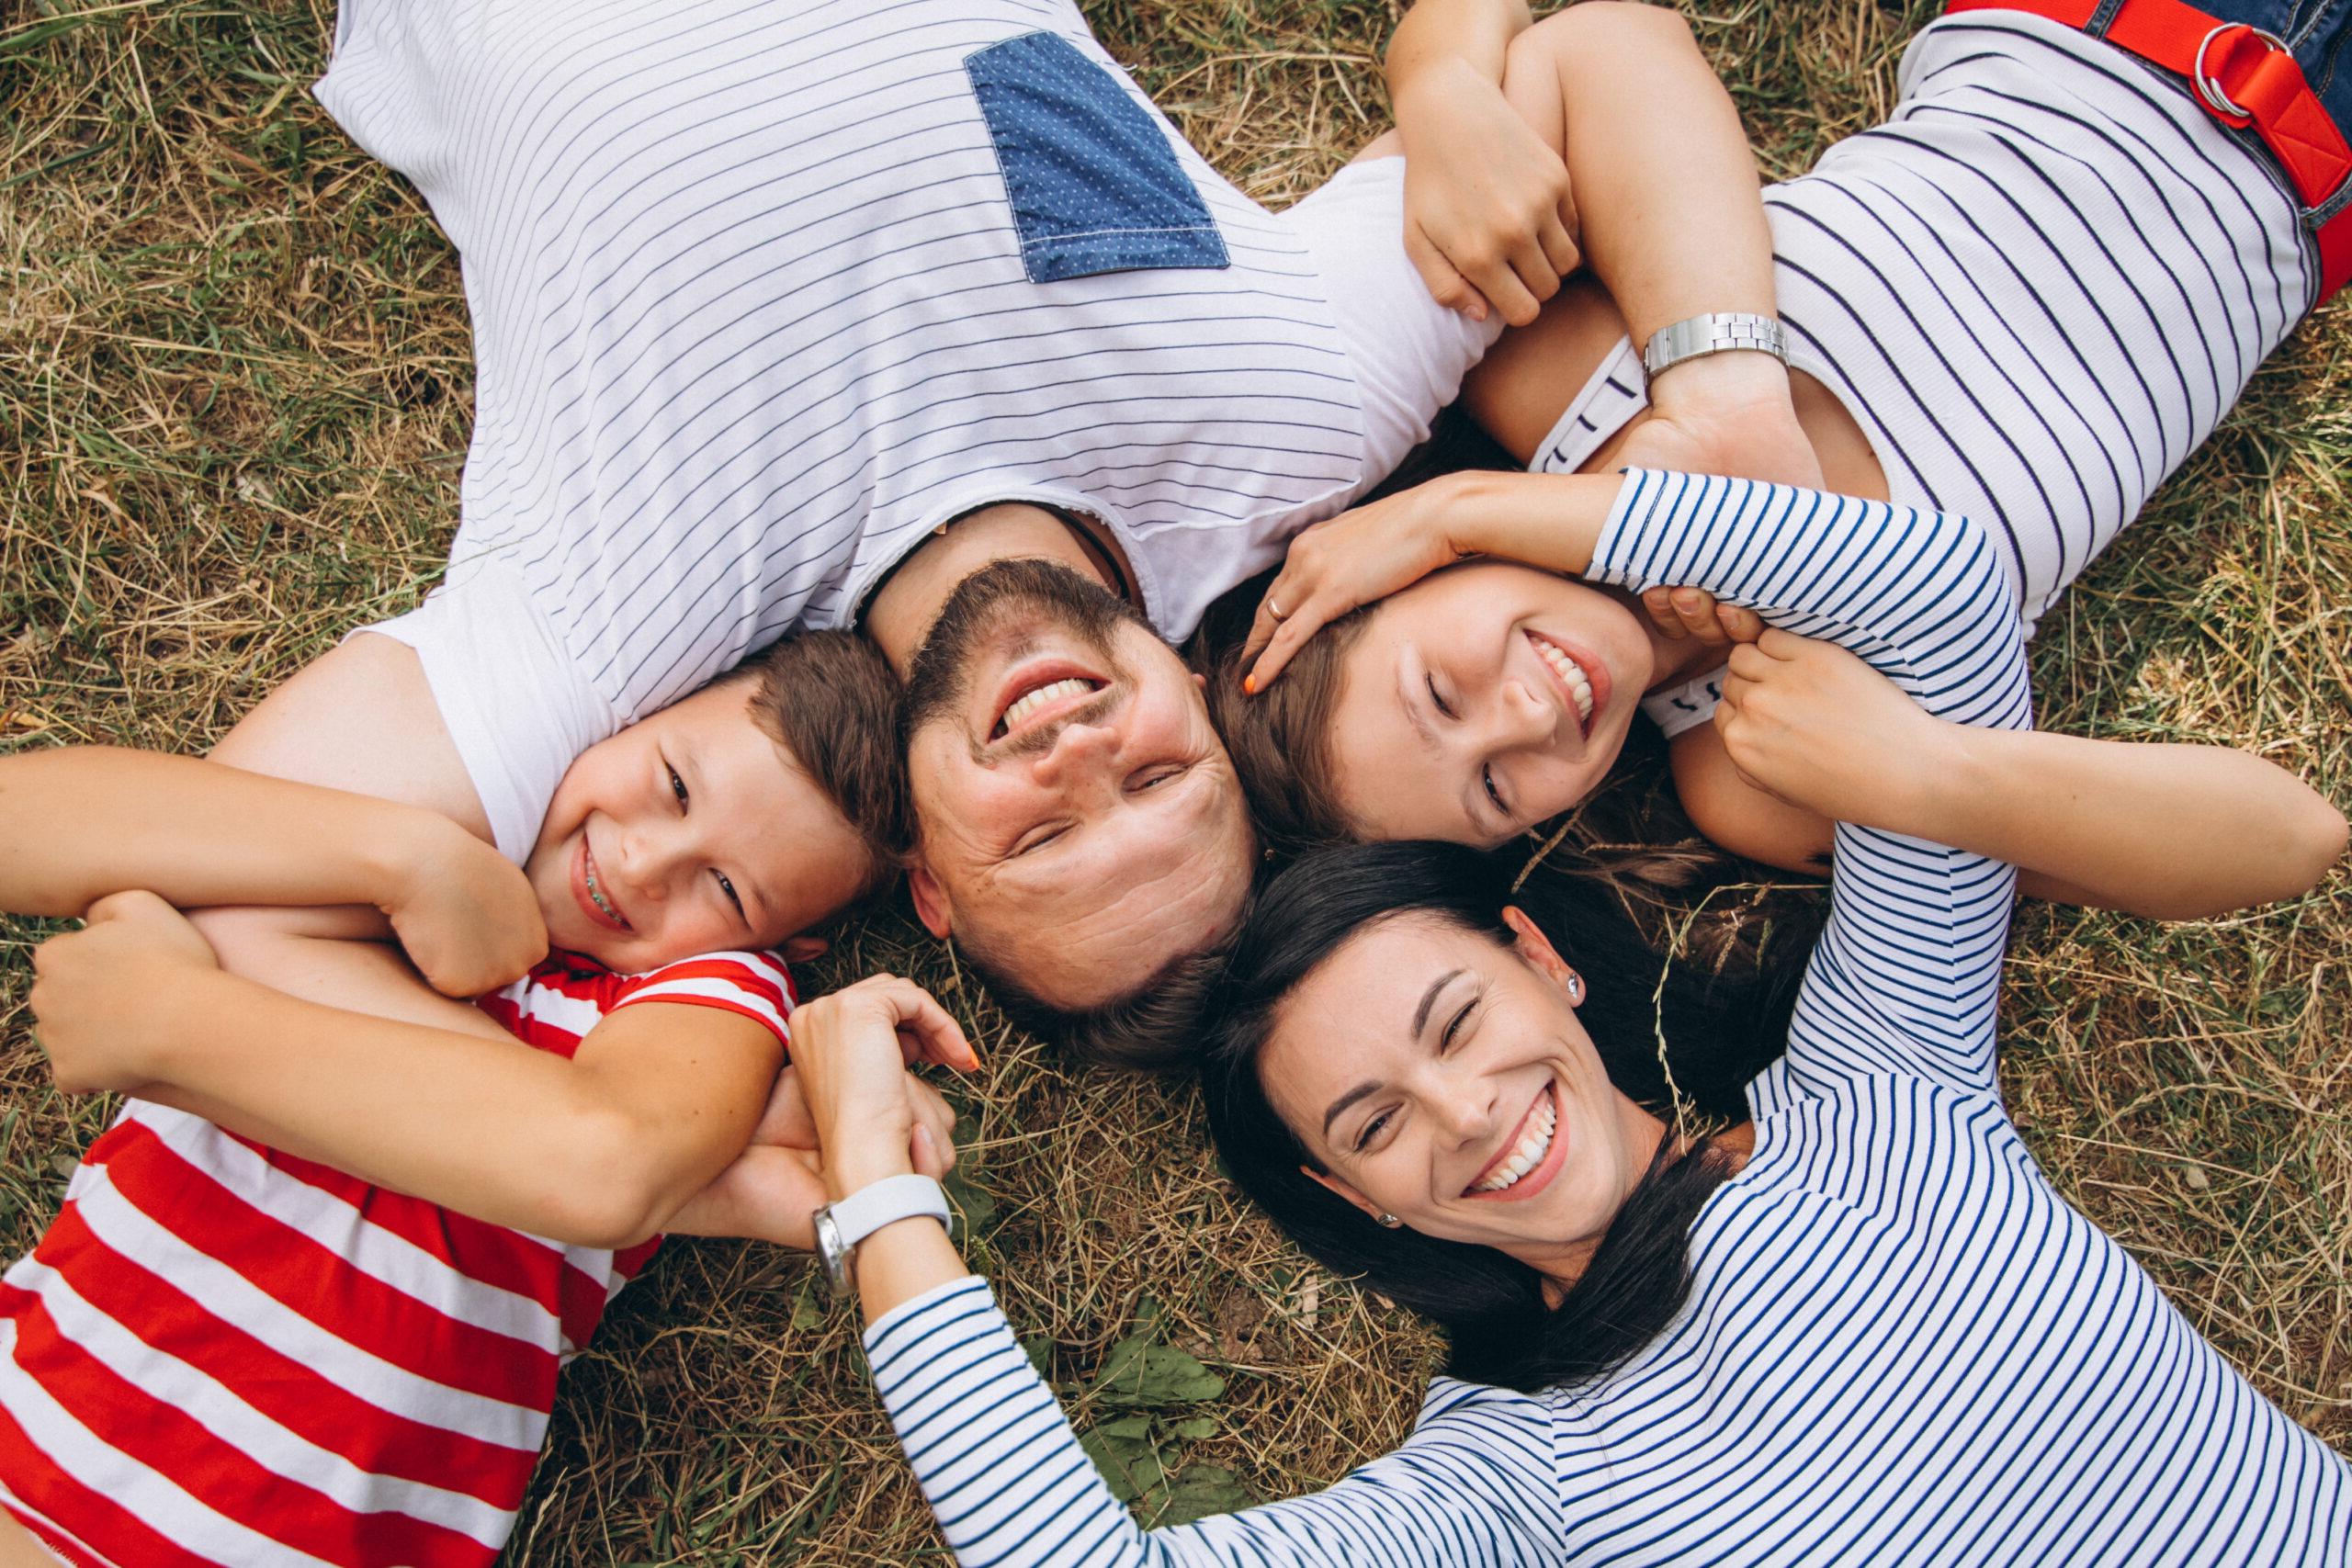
222	1354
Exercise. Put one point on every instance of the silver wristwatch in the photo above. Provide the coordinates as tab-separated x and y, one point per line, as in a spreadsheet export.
840	1227
1712	334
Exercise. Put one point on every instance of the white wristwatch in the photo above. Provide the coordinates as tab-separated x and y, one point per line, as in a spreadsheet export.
1712	334
840	1227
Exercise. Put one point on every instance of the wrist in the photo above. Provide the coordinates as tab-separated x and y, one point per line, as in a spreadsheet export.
865	1159
1731	380
405	847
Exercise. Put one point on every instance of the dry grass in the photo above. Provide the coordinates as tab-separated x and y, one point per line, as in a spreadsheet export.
233	397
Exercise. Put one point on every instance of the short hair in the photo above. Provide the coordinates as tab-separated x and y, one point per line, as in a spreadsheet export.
830	700
1157	1028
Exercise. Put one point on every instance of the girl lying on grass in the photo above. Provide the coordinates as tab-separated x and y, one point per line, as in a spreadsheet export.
307	1299
2025	298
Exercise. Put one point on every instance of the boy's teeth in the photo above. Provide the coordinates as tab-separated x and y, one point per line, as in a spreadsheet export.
1569	672
1533	1145
1030	701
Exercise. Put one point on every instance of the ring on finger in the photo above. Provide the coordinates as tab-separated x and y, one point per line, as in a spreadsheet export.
1276	610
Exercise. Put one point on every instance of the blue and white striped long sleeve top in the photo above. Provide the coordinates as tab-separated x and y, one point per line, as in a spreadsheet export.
1902	1346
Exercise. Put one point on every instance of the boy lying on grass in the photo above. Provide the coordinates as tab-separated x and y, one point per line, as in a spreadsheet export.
308	1297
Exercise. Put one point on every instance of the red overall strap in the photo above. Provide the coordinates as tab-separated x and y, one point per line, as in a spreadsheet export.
2242	78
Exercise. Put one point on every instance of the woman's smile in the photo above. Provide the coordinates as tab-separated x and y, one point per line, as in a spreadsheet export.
1535	1153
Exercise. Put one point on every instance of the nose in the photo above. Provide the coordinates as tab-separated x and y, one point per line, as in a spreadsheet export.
650	855
1522	718
1464	1104
1080	754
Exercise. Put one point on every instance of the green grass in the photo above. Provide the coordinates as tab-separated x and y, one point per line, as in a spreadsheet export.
234	383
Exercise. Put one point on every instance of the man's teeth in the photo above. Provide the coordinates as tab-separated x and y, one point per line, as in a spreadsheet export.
1570	672
1030	701
1533	1145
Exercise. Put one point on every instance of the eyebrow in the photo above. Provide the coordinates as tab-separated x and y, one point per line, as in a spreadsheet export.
1421	1022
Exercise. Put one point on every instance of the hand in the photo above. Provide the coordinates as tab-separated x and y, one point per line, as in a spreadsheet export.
851	1050
773	1188
1490	223
104	997
1724	413
1811	725
1695	614
1363	555
466	915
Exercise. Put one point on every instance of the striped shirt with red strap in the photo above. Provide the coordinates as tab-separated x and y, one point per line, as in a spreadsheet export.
222	1354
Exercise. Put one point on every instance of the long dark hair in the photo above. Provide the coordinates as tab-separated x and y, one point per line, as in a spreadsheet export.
1724	1027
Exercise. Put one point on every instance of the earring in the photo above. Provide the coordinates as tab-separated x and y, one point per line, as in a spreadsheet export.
1575	988
1391	1221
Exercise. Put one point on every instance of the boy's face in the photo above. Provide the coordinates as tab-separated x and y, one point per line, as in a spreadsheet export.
686	833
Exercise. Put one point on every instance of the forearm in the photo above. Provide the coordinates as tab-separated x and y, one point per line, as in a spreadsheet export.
81	822
2166	831
489	1127
1672	209
1439	37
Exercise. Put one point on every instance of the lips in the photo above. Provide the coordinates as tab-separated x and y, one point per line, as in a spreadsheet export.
1582	679
1525	1165
1038	691
593	894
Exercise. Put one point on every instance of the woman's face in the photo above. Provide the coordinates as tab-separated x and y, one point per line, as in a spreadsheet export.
1482	700
1443	1077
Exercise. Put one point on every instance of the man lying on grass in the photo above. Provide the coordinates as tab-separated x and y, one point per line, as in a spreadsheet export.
309	1295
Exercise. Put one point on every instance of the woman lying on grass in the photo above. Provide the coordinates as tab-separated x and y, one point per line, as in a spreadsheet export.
2026	299
308	1297
1858	1328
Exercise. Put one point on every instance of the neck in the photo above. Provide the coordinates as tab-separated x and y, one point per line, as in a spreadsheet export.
899	615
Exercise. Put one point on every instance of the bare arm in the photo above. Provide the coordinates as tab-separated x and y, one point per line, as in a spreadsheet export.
598	1150
2166	831
77	823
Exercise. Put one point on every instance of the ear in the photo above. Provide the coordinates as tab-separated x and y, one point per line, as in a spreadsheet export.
1339	1188
1200	680
930	900
1536	949
802	949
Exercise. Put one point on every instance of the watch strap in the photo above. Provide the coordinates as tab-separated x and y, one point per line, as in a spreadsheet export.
1712	333
840	1227
886	1202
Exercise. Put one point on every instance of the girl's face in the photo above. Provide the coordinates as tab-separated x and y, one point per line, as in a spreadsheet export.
1482	700
1443	1077
688	833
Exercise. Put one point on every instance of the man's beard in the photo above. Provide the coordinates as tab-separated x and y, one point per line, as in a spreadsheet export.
939	681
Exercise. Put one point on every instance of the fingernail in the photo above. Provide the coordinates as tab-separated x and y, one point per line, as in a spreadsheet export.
1250	684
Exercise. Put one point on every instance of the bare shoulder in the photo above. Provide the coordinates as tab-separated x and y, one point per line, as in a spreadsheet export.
359	717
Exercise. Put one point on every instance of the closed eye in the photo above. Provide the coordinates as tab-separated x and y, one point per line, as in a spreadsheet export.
1371	1128
1454	1027
677	788
1431	680
1494	796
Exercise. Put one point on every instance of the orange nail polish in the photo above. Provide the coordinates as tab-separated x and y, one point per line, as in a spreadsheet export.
1250	684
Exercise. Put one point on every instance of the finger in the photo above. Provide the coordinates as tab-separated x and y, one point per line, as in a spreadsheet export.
1533	266
1739	622
1503	289
1303	623
1776	644
1441	278
1697	611
1267	621
927	1031
1559	246
1660	603
130	905
1749	662
1734	690
923	1150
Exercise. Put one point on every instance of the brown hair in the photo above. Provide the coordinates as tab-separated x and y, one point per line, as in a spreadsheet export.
1280	739
828	700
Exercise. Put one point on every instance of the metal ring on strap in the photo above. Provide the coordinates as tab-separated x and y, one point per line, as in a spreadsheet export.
2209	88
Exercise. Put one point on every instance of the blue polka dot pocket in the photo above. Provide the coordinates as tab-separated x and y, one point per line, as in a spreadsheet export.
1093	183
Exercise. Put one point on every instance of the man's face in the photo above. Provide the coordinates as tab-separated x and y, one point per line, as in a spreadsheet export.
1079	821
